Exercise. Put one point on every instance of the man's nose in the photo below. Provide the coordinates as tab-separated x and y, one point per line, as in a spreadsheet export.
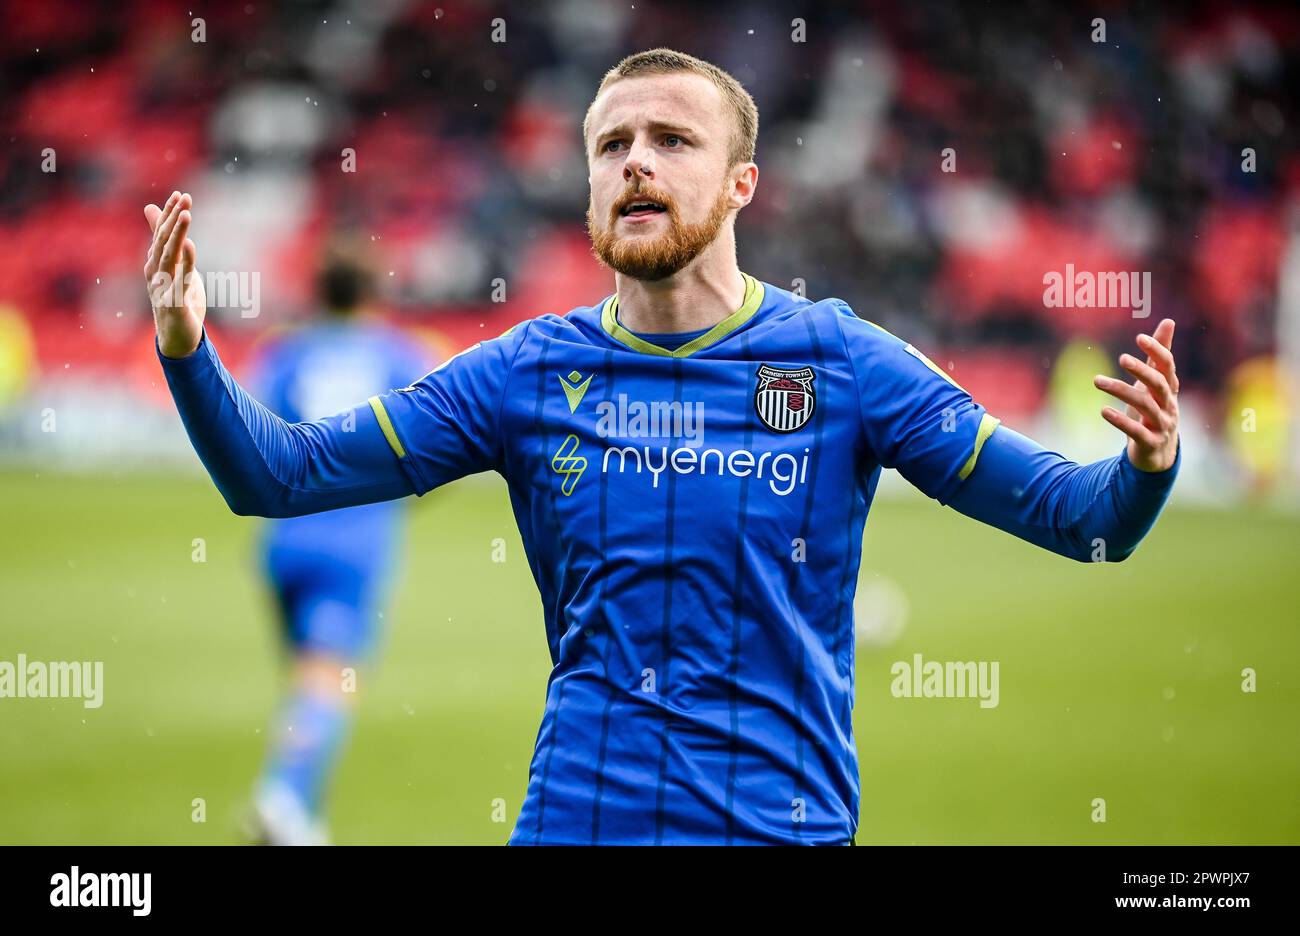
639	163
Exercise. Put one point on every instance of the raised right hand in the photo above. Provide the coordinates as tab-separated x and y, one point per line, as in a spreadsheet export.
175	287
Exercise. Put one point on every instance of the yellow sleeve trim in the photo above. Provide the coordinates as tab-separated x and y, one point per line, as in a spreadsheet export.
987	425
390	433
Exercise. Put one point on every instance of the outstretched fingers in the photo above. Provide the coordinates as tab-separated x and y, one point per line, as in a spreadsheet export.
1131	427
175	238
165	224
1154	380
1159	352
1135	397
152	212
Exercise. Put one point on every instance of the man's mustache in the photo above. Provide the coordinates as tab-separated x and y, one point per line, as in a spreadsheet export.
643	194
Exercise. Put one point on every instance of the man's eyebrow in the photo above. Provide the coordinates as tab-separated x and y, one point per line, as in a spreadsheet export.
654	125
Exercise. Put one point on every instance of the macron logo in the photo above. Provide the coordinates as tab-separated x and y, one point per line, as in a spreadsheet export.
102	890
575	388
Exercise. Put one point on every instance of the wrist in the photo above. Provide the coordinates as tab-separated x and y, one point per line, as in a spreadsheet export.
169	354
175	348
1159	473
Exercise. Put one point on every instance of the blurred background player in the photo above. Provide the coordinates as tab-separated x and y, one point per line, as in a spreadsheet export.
330	572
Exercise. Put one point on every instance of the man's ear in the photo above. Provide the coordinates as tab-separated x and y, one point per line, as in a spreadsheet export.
744	181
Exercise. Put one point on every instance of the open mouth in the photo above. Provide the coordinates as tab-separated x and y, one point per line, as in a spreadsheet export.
641	209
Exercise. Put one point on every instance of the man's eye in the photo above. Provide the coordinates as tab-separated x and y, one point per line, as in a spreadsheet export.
611	143
671	137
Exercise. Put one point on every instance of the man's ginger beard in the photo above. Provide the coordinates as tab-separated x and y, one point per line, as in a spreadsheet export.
662	255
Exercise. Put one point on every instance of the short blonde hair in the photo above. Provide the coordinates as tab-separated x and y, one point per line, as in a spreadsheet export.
744	139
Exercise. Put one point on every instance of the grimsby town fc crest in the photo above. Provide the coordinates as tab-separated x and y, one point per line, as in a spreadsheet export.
784	399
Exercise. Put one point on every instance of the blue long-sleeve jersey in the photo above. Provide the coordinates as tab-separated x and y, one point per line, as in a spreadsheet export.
309	373
693	519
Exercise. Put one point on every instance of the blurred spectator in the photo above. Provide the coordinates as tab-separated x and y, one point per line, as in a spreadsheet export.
928	162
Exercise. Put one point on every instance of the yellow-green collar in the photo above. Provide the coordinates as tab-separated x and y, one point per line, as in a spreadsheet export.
753	299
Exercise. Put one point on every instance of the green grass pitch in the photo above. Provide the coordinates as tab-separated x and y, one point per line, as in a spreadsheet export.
1118	681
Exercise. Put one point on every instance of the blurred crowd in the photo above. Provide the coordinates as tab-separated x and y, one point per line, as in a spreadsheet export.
927	162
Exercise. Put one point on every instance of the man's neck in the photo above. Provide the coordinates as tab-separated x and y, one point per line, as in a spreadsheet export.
698	297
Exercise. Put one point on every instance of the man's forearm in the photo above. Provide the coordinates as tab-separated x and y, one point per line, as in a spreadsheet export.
267	467
1086	512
